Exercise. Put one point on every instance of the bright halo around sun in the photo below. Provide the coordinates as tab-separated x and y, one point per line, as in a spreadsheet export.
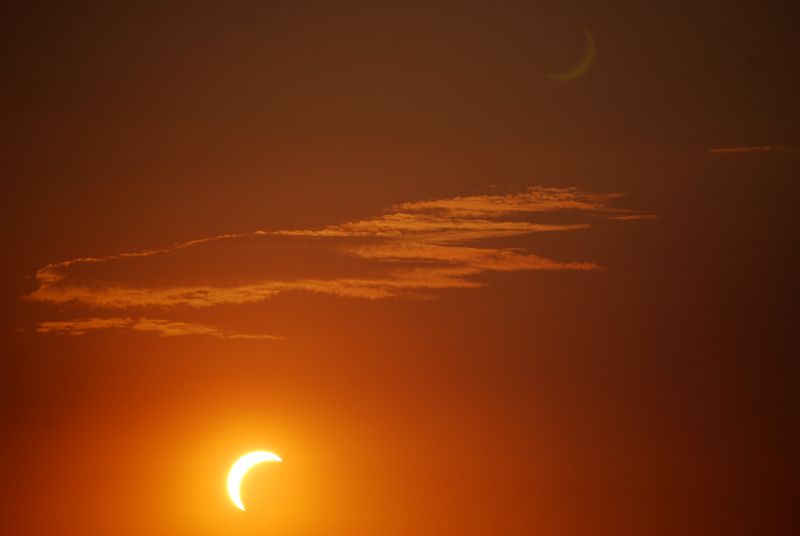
240	468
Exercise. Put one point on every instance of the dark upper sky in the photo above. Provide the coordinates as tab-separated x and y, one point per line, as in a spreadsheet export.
377	238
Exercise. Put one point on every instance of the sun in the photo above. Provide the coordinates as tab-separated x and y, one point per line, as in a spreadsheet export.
239	470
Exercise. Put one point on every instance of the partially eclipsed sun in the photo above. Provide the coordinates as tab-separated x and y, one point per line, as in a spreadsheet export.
586	62
240	468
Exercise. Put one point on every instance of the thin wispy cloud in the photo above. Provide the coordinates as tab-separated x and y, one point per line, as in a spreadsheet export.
633	217
534	199
163	328
752	149
413	249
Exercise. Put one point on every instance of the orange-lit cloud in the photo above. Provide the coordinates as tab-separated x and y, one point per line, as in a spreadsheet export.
534	199
164	328
751	149
412	249
123	297
633	217
473	259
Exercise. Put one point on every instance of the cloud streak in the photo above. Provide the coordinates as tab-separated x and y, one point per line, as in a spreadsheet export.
413	249
163	328
534	199
752	149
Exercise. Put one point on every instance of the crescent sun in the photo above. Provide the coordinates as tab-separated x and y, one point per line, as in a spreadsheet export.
240	468
585	63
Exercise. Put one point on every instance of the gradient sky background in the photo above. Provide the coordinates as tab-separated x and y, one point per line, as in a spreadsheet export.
527	353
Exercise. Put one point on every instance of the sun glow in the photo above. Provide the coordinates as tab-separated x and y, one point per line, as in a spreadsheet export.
239	470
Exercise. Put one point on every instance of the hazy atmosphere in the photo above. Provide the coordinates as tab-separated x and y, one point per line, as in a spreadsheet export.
468	268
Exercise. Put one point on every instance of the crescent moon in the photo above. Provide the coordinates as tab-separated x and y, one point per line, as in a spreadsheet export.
586	62
240	468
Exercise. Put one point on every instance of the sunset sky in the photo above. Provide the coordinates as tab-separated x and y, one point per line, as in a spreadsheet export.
469	268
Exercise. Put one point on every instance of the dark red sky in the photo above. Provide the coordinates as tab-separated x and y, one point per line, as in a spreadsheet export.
423	290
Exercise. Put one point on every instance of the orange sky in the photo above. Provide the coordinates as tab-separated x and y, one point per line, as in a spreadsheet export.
455	295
